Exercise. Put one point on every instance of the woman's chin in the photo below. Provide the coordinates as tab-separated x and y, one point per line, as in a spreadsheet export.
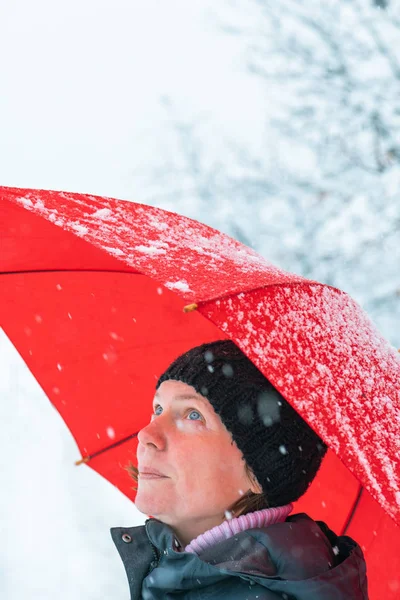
147	504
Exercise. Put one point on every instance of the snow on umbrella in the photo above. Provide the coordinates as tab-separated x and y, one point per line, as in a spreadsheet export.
99	295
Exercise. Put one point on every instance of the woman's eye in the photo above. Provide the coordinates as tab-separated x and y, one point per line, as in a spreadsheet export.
193	415
197	415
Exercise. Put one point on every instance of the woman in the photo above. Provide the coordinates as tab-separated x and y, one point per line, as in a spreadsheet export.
219	465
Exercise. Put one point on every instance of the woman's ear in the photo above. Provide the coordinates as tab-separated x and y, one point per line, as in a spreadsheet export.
256	487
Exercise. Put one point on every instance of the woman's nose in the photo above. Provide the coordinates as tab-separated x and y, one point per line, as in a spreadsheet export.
152	434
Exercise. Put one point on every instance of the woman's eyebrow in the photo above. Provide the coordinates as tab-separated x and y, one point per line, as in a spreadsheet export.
185	397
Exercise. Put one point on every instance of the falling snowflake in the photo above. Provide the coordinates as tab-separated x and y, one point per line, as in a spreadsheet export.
227	370
208	356
110	433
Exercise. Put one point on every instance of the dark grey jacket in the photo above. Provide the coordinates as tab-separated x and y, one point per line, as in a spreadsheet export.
297	560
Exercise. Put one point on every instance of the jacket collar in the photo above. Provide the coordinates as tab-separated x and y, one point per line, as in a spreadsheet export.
136	554
294	557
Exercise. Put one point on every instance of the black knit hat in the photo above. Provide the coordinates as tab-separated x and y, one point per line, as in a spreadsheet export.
283	452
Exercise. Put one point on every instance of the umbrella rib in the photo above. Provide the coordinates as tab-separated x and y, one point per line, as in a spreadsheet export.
247	290
86	459
353	511
188	308
127	271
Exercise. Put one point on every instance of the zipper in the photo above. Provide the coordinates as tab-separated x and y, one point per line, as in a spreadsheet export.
156	555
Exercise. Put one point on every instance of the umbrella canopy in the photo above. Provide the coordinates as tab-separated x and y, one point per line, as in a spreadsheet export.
100	295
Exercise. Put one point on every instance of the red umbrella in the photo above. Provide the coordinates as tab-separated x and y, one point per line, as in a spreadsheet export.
99	295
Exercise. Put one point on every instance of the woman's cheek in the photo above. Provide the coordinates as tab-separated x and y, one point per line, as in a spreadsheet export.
188	426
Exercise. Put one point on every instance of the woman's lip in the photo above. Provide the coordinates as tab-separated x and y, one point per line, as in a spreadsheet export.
150	471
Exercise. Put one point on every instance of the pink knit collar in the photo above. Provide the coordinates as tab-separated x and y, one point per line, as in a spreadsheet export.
231	527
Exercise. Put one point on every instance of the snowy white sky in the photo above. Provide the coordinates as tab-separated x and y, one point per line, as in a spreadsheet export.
81	85
80	88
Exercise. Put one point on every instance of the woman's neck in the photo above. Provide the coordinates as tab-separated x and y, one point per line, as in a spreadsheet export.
196	534
188	531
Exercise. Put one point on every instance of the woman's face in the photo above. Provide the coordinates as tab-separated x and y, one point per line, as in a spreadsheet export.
202	469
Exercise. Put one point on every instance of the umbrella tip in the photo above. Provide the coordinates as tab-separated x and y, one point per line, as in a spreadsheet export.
83	460
190	307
